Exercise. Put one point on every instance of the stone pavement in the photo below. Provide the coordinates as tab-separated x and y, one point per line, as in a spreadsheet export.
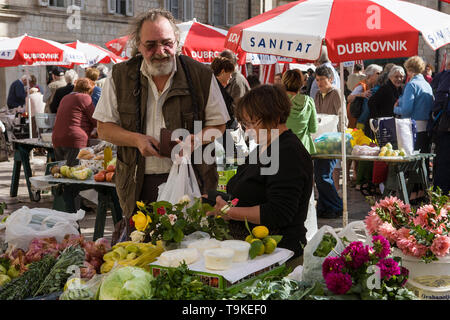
357	206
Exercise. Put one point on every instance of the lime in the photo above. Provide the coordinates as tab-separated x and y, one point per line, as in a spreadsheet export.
249	238
262	247
270	244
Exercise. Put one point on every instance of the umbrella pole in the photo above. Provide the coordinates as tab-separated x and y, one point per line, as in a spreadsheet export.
27	72
344	154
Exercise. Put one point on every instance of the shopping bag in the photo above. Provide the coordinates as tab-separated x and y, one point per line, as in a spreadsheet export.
311	219
400	133
326	123
355	231
312	265
180	182
25	224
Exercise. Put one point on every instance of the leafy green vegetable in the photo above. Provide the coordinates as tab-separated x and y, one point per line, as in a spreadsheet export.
181	284
58	275
25	285
268	290
127	283
326	245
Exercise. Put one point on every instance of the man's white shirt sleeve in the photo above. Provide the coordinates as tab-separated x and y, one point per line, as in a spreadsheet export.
106	109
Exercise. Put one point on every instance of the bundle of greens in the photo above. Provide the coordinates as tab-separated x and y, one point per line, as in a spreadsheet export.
181	284
326	245
54	281
25	285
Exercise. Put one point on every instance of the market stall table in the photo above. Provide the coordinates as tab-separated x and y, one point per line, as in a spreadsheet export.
107	198
414	167
22	149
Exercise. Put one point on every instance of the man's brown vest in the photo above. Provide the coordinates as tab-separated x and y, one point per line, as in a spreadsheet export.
177	111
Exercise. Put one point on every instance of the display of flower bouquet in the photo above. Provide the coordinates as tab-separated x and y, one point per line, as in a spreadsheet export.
367	272
422	233
168	222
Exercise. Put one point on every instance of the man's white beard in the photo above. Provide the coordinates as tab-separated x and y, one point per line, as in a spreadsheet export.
156	68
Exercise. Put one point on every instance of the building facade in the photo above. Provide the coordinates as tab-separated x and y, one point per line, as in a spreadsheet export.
99	21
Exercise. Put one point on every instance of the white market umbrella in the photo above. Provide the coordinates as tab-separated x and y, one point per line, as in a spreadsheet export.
31	51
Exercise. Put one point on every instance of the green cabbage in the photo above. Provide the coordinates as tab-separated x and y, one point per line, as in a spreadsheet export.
127	283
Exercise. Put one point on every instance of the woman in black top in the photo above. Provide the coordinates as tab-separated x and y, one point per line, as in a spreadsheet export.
381	104
275	183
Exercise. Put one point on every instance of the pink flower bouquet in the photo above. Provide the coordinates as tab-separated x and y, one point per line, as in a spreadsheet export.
367	272
421	233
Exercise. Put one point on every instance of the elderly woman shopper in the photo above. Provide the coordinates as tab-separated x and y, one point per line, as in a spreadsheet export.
275	183
416	101
381	104
74	123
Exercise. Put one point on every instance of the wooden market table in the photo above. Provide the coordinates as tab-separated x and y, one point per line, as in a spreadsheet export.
22	149
107	198
403	171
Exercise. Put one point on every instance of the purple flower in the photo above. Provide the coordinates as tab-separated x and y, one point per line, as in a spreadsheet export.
381	246
388	268
405	273
338	283
356	254
332	264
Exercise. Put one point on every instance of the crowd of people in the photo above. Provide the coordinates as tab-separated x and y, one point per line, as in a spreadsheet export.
158	89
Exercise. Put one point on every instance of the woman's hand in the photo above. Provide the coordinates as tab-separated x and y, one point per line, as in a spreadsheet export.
220	203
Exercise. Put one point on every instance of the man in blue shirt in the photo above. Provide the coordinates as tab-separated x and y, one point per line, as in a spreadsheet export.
17	93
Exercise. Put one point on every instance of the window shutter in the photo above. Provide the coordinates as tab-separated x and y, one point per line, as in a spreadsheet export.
43	3
111	6
211	12
130	8
188	10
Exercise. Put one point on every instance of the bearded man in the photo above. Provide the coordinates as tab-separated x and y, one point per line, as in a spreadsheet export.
157	88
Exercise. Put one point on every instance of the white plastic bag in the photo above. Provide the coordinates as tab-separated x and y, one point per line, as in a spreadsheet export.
181	181
25	224
356	231
312	265
311	219
326	123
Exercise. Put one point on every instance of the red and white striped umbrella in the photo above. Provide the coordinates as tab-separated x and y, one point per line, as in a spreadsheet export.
118	45
27	50
352	30
95	54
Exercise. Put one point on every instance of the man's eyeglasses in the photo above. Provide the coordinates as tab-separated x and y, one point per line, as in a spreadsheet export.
153	45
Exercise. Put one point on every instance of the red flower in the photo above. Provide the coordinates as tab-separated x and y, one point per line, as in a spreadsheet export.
235	201
131	222
161	211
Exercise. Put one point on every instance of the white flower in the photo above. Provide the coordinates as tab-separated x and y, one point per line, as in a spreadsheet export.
137	236
204	222
184	199
172	218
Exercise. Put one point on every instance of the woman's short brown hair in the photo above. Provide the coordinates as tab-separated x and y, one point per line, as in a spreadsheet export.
92	73
268	103
292	80
221	63
84	85
415	64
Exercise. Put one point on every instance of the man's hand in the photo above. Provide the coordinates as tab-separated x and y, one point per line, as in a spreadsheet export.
148	146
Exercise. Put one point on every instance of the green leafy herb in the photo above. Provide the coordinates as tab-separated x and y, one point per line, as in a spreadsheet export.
58	275
25	285
326	245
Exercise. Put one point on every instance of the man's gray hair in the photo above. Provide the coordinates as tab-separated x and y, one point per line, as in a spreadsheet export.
103	69
70	76
151	15
372	69
396	69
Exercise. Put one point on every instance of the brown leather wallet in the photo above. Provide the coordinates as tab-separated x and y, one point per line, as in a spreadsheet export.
165	143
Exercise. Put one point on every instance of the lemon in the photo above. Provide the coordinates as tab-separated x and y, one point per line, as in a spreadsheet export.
249	238
270	244
260	232
262	248
74	283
